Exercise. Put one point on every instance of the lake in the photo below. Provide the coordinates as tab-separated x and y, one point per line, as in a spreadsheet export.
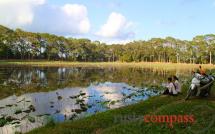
31	97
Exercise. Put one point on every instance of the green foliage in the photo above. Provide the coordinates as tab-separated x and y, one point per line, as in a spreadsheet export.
19	44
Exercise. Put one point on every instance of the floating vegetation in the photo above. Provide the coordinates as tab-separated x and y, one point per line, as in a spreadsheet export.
73	97
82	94
83	108
20	100
123	94
79	101
26	111
15	122
130	95
89	106
57	111
32	108
78	111
59	97
104	103
73	117
47	114
3	121
83	103
10	118
9	105
31	119
18	111
112	102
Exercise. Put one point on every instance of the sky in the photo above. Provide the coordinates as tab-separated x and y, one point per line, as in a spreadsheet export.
111	21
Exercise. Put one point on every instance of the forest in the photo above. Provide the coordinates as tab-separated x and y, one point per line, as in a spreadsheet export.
20	44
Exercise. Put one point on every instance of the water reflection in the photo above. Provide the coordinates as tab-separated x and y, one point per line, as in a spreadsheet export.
33	79
31	110
32	96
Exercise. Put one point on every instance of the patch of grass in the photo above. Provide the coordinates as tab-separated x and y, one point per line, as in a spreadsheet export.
155	65
129	119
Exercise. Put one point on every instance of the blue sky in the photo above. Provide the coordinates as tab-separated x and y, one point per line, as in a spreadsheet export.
112	20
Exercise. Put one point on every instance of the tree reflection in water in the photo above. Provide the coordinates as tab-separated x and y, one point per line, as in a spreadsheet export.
33	95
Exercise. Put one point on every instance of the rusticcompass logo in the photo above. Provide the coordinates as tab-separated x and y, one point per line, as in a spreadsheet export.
169	120
203	123
199	123
128	118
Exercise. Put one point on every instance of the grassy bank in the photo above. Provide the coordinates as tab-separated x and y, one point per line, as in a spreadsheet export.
129	119
155	65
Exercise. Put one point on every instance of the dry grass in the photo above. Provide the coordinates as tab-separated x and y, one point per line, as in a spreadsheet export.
154	65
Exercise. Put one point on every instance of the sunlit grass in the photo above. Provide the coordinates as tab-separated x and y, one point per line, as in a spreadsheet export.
155	65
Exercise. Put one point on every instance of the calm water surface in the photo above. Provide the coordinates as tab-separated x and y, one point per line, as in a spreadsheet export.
31	97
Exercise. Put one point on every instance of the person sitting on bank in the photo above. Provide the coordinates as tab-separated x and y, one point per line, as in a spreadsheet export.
170	88
177	84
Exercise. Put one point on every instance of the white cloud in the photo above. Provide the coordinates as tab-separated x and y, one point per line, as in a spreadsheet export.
117	26
18	12
77	14
39	16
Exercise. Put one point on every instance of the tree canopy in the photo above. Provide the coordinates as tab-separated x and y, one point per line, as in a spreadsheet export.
19	44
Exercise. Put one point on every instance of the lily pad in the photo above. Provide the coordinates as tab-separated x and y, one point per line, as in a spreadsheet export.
89	106
112	102
104	103
31	119
59	97
3	121
77	110
57	111
16	122
79	101
84	108
18	111
32	108
26	111
10	118
73	97
73	116
9	105
82	94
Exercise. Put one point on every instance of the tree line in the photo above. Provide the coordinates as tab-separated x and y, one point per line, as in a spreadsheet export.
19	44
